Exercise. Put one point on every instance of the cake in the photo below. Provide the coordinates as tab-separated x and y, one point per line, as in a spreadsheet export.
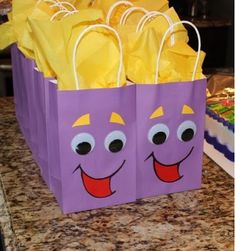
219	130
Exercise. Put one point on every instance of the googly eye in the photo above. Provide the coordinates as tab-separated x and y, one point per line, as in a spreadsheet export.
186	130
158	134
115	141
83	143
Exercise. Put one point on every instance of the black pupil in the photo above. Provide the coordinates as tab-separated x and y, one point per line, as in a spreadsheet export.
83	148
187	134
159	138
116	146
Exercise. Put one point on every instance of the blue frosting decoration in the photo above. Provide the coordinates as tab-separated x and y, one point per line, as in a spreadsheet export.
220	119
218	146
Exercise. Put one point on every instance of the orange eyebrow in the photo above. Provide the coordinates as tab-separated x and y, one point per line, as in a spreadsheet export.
157	113
83	120
116	119
187	110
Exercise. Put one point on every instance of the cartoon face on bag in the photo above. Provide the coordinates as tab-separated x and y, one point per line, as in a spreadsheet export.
100	151
170	132
172	140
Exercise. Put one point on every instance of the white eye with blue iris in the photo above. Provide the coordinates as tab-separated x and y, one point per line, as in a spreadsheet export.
158	134
186	131
115	141
83	143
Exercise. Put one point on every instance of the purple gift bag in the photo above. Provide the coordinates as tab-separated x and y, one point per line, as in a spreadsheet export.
21	99
40	101
31	100
27	93
170	132
92	147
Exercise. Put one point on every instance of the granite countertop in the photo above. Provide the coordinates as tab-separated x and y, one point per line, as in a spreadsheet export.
31	219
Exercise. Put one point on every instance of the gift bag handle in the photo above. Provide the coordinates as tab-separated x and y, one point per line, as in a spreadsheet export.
58	13
81	35
53	2
115	5
151	14
62	5
170	29
70	13
47	1
127	13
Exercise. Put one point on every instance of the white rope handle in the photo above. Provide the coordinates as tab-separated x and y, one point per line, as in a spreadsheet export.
46	1
58	13
127	13
150	15
68	4
58	5
163	41
63	4
115	5
54	3
81	35
70	13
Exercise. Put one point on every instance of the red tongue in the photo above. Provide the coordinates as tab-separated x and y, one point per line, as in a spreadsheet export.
99	188
167	173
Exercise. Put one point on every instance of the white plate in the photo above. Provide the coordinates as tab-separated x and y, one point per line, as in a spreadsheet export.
219	158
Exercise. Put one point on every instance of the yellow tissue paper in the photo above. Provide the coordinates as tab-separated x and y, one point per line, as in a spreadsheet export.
117	13
97	57
176	64
142	47
160	25
59	33
135	16
158	5
104	5
140	56
40	11
83	4
12	30
8	36
17	29
130	36
98	63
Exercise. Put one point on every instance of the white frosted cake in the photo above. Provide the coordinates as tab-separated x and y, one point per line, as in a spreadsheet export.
220	122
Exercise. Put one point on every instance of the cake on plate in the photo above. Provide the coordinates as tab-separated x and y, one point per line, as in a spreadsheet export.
219	130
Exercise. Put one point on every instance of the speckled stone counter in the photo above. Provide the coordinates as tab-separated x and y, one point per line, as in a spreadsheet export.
31	219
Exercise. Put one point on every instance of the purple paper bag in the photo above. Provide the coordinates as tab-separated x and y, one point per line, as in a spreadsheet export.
30	102
23	84
170	133
92	143
94	153
19	88
40	126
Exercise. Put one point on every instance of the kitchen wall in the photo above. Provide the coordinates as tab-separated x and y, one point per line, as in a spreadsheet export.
217	9
225	9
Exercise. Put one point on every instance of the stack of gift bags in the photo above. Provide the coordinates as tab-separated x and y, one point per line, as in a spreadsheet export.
109	96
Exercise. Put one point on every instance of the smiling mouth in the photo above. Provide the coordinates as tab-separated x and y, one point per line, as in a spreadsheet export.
98	187
168	173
